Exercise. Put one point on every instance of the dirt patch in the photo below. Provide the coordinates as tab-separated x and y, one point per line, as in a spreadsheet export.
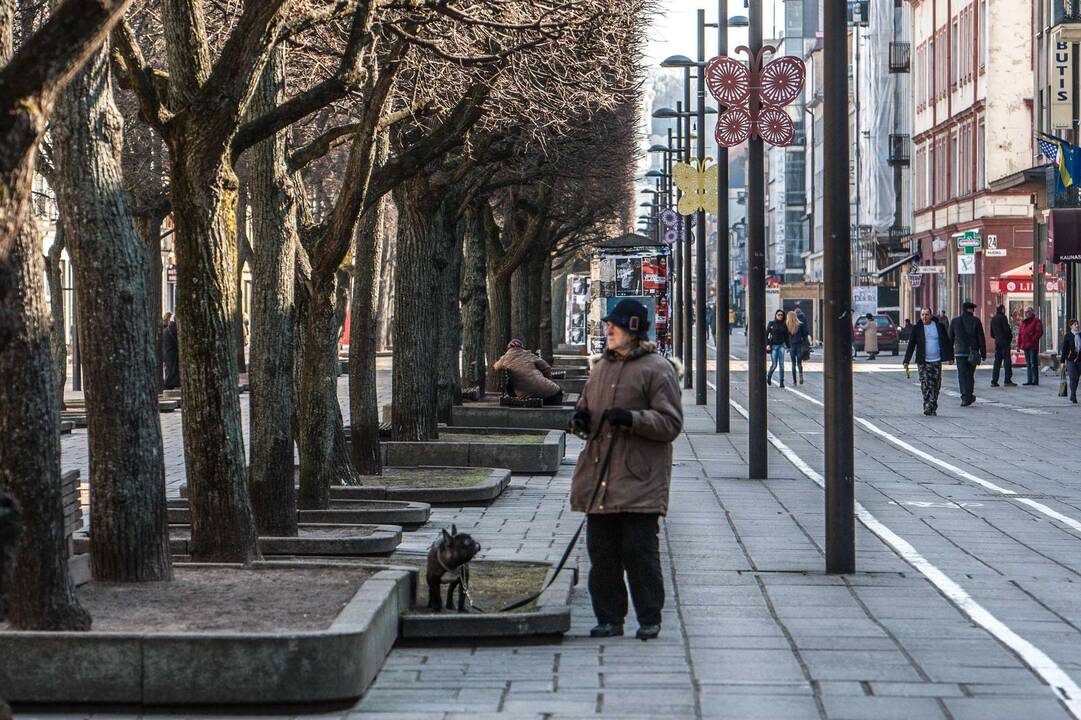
427	478
522	439
225	599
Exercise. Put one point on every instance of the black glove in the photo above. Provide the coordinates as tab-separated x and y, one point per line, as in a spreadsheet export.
580	423
619	416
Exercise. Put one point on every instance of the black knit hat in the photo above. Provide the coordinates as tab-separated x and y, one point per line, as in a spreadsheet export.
632	316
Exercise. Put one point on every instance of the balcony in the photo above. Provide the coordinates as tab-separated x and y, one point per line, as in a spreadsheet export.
900	150
900	57
897	239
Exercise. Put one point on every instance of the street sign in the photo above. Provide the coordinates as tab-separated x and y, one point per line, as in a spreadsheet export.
966	264
931	269
992	247
915	279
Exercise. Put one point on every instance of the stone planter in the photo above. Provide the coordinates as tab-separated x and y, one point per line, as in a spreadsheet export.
210	667
481	492
492	415
407	515
482	447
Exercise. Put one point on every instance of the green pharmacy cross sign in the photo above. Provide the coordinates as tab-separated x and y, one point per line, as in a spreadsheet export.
969	241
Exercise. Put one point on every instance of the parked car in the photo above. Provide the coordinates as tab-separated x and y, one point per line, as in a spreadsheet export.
887	334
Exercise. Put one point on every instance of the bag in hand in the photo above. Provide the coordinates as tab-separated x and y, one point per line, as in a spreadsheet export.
1062	390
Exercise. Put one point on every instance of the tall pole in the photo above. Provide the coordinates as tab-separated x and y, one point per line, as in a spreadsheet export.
723	283
700	230
688	293
837	318
756	278
676	271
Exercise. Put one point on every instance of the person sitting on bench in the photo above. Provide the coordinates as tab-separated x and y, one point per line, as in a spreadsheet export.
528	374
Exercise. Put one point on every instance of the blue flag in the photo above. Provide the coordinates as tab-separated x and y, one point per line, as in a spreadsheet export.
1065	156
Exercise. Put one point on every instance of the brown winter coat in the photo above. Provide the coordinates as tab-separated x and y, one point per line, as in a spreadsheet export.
870	337
527	373
640	471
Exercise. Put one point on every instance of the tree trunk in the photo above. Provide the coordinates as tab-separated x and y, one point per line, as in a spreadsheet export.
243	251
54	275
204	189
274	234
417	281
148	228
499	322
529	302
519	291
323	458
386	284
42	597
545	281
128	530
449	325
363	395
474	294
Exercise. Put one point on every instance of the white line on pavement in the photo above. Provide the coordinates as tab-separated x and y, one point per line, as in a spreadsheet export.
949	467
1061	683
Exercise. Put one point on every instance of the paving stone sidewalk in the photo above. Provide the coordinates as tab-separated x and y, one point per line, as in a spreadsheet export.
752	627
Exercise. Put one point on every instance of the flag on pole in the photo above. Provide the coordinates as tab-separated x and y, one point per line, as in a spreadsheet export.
1065	156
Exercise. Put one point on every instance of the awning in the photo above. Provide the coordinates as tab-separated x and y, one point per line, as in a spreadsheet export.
1064	235
893	266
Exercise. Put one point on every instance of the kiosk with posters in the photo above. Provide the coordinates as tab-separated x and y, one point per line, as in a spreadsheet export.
630	266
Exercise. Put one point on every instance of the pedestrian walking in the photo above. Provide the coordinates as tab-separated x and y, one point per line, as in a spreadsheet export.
170	355
529	374
905	333
969	350
797	336
1071	357
930	346
870	337
1028	340
630	412
1002	334
711	320
776	342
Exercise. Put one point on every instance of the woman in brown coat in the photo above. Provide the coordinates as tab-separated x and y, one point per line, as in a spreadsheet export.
631	408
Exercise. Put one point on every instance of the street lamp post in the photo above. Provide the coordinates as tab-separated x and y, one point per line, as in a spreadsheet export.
837	318
757	459
723	284
700	235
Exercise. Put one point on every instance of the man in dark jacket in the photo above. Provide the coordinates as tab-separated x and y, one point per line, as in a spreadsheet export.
631	412
170	355
1002	334
929	343
969	350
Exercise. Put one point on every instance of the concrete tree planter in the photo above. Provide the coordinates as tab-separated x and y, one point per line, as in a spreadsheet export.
521	450
572	385
462	486
407	515
550	615
203	667
314	539
482	414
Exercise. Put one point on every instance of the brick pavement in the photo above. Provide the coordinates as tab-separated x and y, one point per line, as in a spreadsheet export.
752	627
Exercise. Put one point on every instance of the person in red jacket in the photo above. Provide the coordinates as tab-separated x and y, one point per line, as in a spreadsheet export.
1028	339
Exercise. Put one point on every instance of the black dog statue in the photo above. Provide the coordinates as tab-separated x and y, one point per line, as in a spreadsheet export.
448	561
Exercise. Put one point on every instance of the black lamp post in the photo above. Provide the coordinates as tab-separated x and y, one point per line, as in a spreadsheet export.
676	270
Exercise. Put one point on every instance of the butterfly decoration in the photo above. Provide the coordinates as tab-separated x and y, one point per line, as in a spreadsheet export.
699	185
672	226
755	96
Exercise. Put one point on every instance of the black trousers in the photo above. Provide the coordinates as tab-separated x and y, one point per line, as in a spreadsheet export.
1002	359
966	376
1073	375
625	543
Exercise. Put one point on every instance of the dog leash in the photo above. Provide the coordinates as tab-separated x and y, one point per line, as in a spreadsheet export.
577	533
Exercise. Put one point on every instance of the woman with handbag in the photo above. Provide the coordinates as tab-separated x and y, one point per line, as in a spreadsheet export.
776	343
1071	357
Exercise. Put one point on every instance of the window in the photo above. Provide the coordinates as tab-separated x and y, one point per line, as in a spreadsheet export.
981	154
955	157
983	34
955	53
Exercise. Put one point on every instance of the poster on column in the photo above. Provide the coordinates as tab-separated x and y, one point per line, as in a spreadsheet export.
655	274
629	276
864	301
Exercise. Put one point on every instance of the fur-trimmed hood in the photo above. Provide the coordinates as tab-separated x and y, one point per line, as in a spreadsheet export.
644	348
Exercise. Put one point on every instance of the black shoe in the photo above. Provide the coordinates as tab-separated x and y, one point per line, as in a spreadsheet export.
782	383
607	630
928	411
1073	400
1011	383
994	384
967	401
1026	383
648	632
934	412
